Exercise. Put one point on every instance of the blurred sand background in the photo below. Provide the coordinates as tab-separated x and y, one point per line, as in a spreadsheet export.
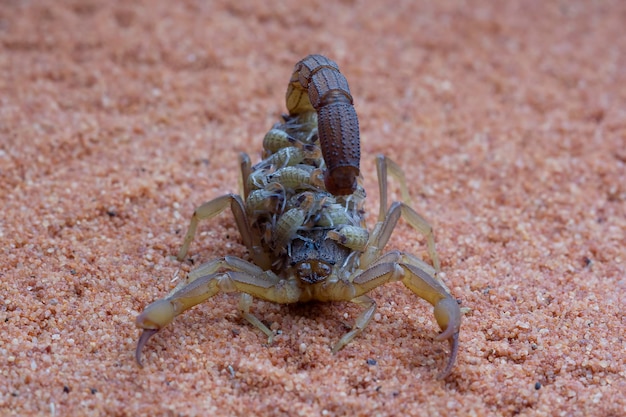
118	118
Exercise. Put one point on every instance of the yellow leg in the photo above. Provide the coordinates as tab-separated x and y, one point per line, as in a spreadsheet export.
361	322
385	165
397	267
245	301
388	219
214	207
240	276
246	169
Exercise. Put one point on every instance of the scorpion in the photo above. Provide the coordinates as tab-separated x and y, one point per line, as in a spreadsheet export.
301	218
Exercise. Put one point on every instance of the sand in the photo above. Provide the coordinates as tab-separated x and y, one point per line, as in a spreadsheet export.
118	118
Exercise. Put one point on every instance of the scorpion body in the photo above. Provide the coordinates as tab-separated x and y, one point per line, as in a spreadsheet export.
301	218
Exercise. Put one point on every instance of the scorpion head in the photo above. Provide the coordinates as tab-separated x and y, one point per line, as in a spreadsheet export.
313	257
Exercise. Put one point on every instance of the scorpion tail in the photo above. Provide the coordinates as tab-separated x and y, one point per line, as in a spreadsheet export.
316	84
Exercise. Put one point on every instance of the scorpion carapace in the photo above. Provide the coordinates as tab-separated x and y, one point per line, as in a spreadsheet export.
317	84
301	219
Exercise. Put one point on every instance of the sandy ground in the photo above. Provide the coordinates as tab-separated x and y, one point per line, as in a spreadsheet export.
118	118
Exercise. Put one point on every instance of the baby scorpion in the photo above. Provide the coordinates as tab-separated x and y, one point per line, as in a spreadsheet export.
301	219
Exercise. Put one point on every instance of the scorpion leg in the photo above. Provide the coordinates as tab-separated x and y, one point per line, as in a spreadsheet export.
245	301
211	209
385	165
246	169
415	220
238	275
214	207
361	322
388	219
424	285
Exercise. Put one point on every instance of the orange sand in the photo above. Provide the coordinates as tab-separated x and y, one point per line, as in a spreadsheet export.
118	118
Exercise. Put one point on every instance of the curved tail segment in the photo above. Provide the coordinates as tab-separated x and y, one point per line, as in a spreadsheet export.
317	85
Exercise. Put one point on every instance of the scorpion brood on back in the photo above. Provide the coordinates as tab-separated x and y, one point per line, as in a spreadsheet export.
302	220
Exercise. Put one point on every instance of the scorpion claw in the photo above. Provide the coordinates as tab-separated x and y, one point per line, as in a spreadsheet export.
454	350
147	334
448	315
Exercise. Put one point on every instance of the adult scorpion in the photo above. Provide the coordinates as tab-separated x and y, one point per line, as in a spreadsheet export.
301	219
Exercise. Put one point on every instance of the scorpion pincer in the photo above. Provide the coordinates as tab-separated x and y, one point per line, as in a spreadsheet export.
301	218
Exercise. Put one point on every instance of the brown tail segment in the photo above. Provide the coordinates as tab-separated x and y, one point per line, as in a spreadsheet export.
317	84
